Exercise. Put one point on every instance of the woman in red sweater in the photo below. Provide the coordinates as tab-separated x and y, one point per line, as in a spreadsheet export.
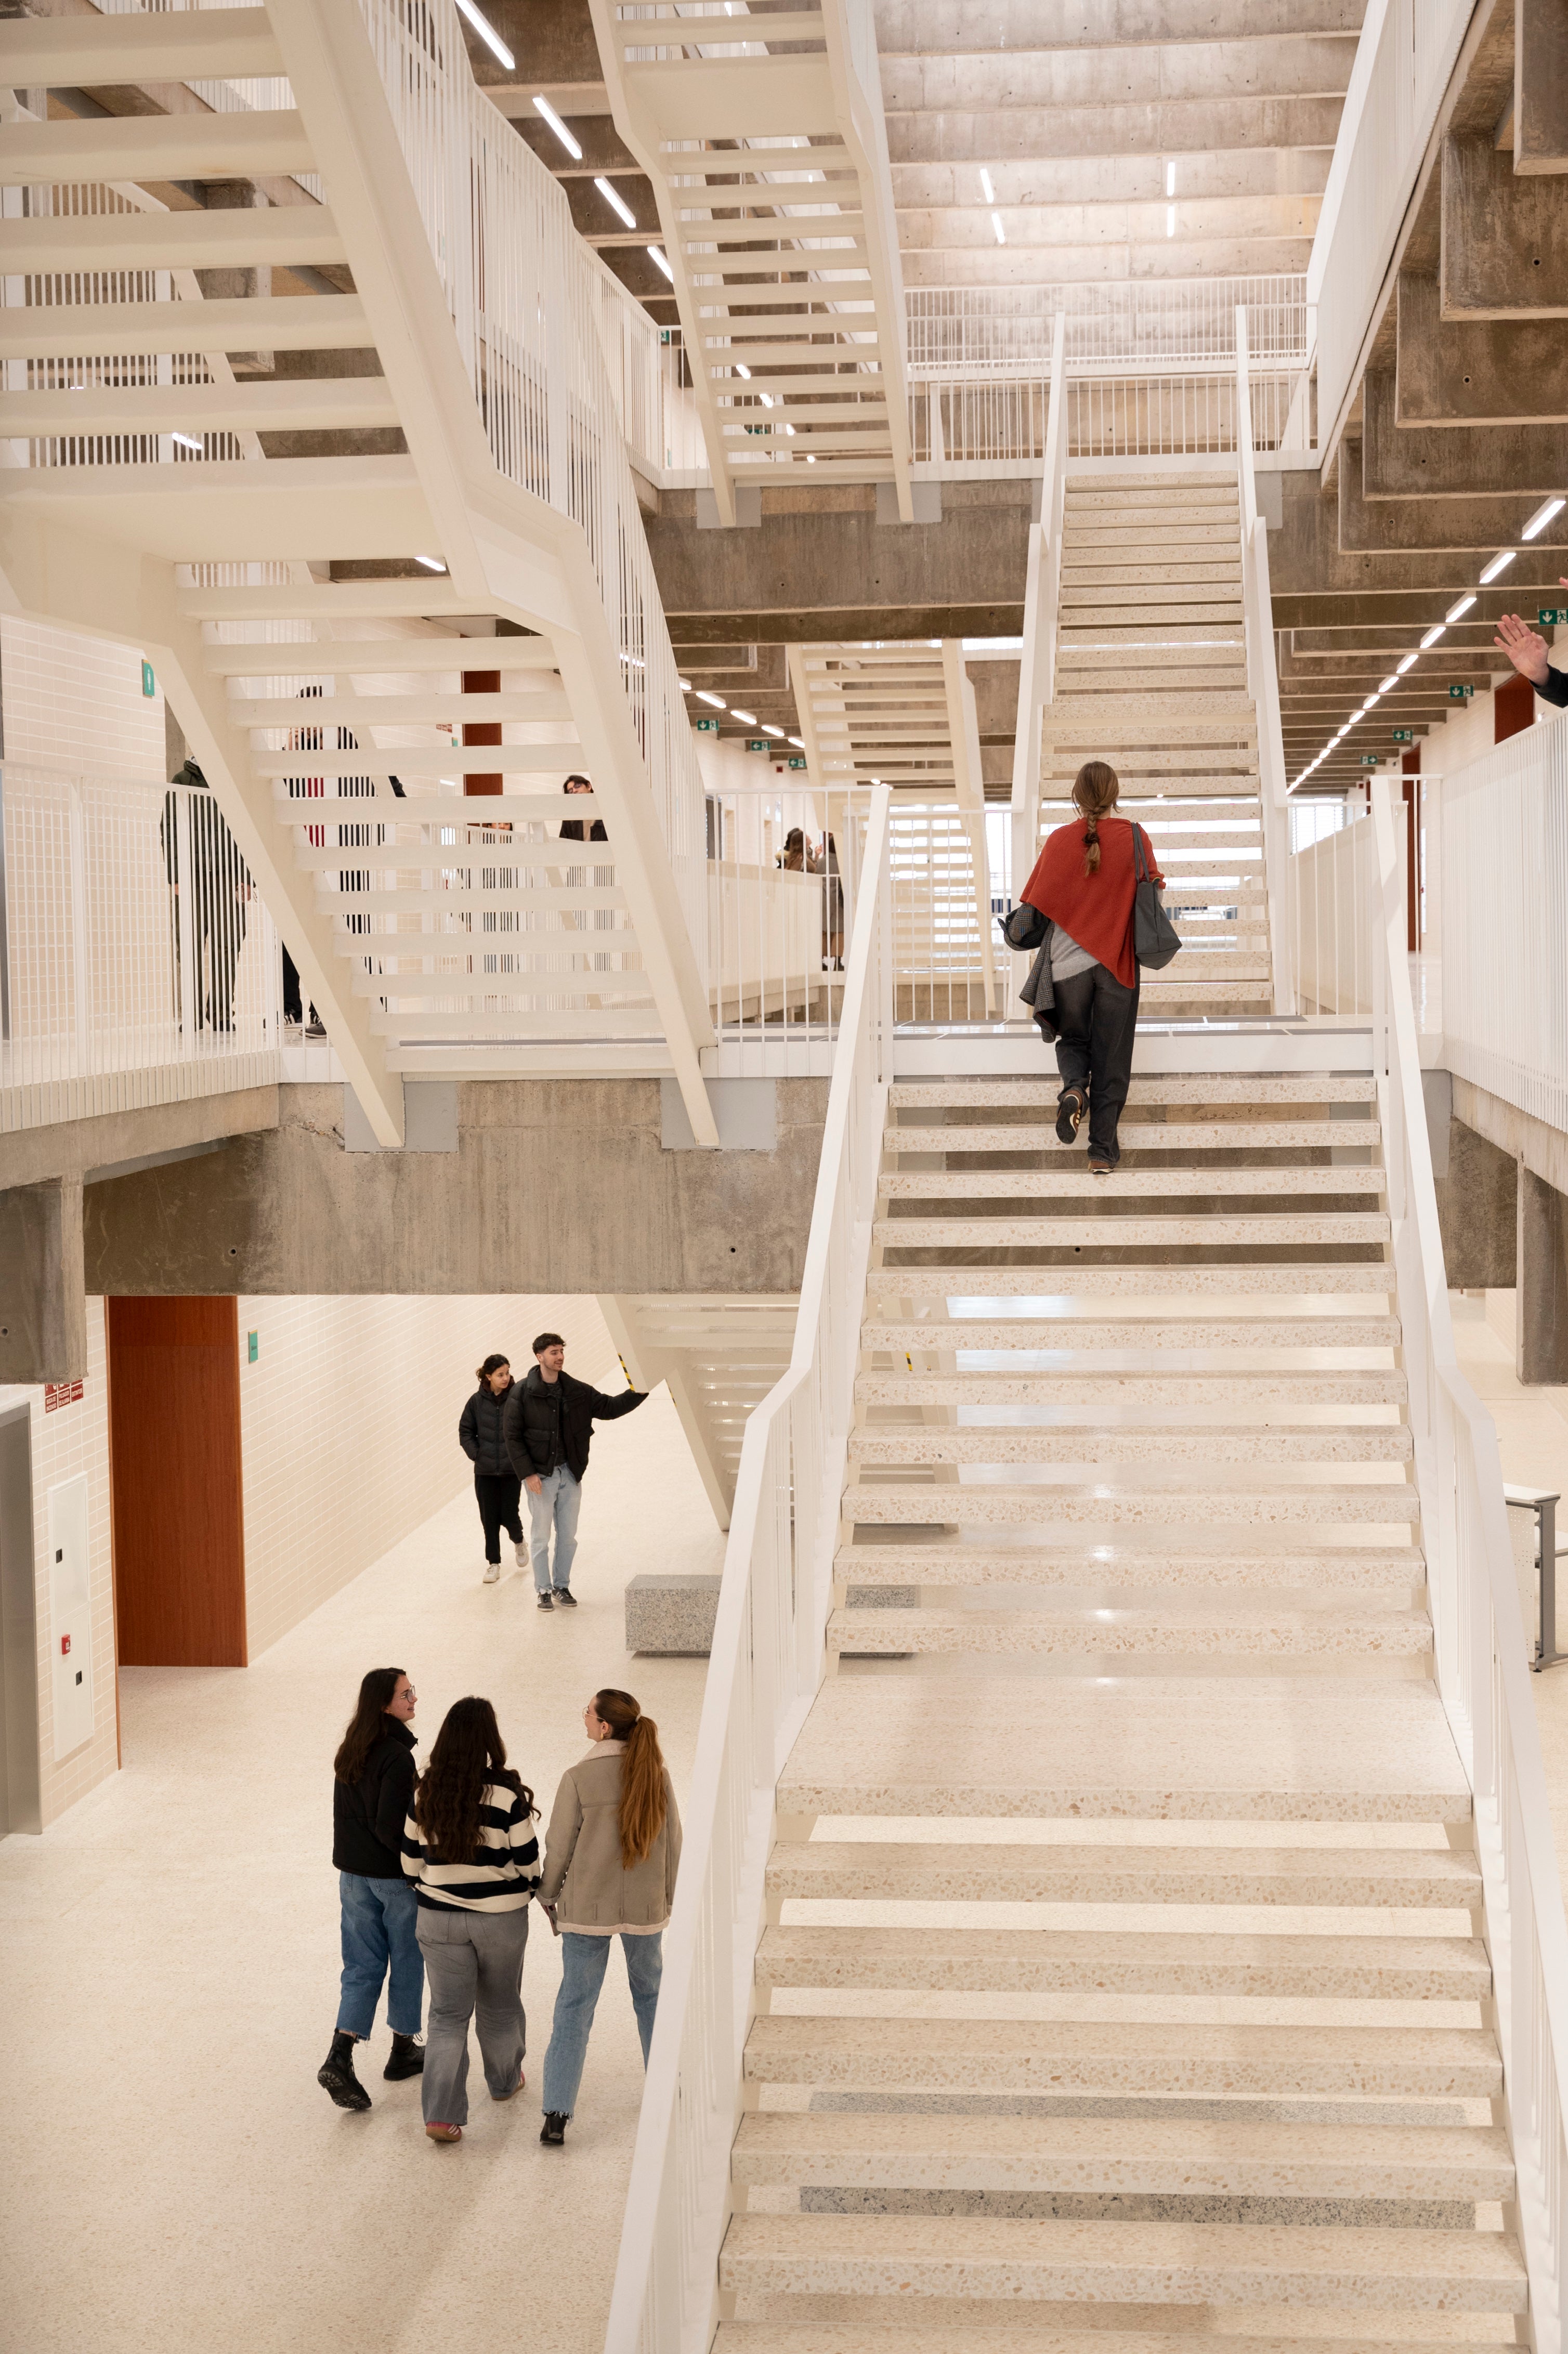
1085	879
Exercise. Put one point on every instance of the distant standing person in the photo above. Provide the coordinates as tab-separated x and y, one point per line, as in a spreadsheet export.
495	1483
610	1857
1085	880
1529	653
372	1785
469	1846
833	905
549	1423
572	827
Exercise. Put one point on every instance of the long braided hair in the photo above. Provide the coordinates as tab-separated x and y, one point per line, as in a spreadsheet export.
1094	791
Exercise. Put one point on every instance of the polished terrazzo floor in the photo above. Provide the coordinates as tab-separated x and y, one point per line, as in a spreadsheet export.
168	1972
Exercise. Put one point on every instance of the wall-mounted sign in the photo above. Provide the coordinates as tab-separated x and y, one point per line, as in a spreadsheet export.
1550	615
707	726
757	744
149	683
1460	694
1371	759
252	1347
1405	734
797	759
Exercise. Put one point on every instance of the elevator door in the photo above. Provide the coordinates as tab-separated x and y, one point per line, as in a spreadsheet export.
179	1538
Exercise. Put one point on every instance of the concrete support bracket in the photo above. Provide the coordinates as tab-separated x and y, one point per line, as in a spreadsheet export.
1541	1293
42	1295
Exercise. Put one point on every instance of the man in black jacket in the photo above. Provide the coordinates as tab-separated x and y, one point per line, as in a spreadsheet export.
549	1428
1527	650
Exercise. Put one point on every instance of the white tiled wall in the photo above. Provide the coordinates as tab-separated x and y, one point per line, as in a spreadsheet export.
75	705
70	1440
348	1420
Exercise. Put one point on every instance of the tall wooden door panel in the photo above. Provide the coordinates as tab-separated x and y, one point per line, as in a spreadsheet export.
179	1536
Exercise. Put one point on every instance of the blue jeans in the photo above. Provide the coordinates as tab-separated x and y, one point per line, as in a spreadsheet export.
378	1918
582	1975
556	1506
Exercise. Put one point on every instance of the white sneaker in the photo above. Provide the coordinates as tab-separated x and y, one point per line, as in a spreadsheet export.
492	1573
520	1554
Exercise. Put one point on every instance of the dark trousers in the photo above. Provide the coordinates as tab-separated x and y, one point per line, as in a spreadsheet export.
498	1496
1096	1020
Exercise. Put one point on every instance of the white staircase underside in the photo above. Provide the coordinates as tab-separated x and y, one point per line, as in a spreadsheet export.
719	1354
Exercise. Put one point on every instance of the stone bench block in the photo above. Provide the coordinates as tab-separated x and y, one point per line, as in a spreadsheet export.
672	1616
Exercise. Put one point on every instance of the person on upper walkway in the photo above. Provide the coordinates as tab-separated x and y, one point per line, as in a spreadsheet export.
610	1858
549	1424
572	827
1085	880
469	1846
495	1484
373	1783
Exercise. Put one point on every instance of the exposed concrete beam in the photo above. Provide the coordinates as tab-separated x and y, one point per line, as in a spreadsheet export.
71	1148
1019	263
1411	463
1308	564
963	130
1505	255
43	1293
1115	179
997	75
555	1184
1540	87
1032	222
939	27
1416	524
1476	372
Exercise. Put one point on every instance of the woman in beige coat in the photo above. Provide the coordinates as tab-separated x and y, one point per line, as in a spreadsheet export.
610	1855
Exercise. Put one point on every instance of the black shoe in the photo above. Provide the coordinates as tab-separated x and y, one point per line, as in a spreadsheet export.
563	1594
1070	1109
408	2059
553	2132
336	2074
546	1603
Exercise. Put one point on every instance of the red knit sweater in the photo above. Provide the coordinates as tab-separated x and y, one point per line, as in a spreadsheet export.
1096	909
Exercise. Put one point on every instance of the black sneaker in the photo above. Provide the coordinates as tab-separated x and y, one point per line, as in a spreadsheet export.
563	1594
336	2074
408	2059
553	2132
546	1603
1070	1109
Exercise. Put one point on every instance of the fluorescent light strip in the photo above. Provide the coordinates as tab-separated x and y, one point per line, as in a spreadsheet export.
1392	679
616	202
1408	663
797	743
1000	232
749	717
1498	563
553	118
1458	609
657	253
1438	630
489	36
716	700
1541	517
431	563
986	189
742	370
769	729
188	441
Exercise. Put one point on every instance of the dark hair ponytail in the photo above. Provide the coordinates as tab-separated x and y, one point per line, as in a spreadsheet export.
1095	790
492	1364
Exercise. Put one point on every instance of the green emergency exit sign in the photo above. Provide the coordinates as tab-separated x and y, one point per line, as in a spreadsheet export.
1405	734
707	726
1371	759
1550	615
1460	694
796	760
149	683
757	744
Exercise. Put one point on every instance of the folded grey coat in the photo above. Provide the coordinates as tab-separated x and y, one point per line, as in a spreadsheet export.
1038	991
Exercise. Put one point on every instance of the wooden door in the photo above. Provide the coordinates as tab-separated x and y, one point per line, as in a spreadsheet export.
175	1467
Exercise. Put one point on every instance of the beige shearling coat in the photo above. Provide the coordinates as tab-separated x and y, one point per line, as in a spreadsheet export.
584	1877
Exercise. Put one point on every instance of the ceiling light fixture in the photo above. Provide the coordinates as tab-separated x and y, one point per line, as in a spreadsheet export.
1498	563
615	200
989	193
768	728
553	120
716	700
1392	679
1433	634
749	716
1000	232
656	253
1541	517
684	684
742	370
1459	607
797	743
431	563
1408	663
188	441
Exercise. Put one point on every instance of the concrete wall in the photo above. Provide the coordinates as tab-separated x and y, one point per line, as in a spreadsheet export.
71	1437
555	1186
348	1421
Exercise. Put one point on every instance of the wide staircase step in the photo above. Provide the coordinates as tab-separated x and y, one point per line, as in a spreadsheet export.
1229	1631
1380	1879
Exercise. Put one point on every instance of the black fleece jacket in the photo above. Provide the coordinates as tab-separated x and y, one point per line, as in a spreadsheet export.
480	1434
551	1423
367	1815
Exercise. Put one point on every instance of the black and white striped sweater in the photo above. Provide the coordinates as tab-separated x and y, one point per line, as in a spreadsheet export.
503	1872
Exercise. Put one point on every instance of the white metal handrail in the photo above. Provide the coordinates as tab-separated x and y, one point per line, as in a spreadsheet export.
1041	605
969	332
1504	869
1478	1630
1263	677
765	1664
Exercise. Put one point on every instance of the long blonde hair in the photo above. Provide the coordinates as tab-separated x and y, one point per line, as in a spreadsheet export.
643	1801
1095	790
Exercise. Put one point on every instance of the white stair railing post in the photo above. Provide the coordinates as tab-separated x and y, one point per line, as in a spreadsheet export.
1263	681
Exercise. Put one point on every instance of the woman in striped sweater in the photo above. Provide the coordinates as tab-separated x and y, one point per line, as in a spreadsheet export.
469	1845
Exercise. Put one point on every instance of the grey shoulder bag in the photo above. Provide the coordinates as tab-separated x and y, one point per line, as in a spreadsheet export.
1154	937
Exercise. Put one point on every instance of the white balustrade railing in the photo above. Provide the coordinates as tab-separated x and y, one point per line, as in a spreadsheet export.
1263	677
1478	1632
1037	661
527	305
1329	893
964	334
137	963
1503	877
1406	54
764	1670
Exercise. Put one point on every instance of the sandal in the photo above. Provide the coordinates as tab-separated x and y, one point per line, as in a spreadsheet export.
1071	1106
441	2133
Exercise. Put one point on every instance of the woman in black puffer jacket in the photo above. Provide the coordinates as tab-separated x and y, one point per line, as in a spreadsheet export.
495	1483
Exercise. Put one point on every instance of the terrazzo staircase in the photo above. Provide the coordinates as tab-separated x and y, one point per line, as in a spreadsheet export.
1123	1989
1151	674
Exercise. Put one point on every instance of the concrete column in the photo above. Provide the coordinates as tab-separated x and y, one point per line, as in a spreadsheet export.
42	1295
1475	1186
1541	1353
